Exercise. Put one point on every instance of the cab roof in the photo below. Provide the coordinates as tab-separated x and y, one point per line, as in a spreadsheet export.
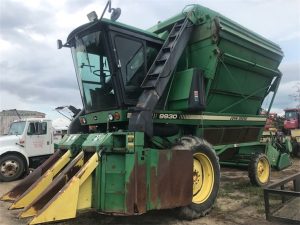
107	22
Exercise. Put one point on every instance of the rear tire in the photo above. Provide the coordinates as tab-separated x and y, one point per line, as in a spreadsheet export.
206	177
11	167
259	170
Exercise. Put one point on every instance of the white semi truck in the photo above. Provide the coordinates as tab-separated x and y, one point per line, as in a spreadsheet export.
28	143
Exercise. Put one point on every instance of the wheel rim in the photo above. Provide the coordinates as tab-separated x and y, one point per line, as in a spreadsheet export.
203	178
9	168
263	170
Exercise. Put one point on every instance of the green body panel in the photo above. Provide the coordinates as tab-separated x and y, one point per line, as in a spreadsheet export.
273	155
240	154
132	180
72	142
119	153
102	117
178	100
284	161
238	64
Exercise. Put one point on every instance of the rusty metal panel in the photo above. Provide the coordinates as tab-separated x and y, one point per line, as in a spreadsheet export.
136	187
229	135
171	180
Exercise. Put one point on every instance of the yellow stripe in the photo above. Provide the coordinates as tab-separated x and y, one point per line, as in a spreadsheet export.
213	117
224	118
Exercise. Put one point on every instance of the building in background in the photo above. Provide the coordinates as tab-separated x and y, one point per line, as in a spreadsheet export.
8	116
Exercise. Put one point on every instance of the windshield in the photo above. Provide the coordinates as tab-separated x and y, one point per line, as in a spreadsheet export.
93	72
291	115
16	128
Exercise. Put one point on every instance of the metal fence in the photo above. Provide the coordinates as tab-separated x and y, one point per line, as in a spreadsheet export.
282	200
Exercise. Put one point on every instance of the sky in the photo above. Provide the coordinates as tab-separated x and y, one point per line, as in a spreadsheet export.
35	75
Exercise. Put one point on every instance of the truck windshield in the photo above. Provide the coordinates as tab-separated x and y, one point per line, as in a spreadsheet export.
16	128
291	115
93	72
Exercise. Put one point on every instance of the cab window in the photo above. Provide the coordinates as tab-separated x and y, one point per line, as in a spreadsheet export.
37	128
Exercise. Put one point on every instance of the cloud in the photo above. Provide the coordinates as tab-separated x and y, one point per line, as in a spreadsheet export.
290	71
35	75
290	36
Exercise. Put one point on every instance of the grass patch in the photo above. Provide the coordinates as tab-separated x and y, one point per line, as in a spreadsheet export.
250	195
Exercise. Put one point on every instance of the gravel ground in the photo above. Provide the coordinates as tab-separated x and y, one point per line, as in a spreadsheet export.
237	203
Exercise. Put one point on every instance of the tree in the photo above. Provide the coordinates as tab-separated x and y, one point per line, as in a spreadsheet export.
296	95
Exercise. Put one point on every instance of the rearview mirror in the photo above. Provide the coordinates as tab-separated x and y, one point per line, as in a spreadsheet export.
59	44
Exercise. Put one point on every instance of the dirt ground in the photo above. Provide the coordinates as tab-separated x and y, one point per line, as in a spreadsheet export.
238	203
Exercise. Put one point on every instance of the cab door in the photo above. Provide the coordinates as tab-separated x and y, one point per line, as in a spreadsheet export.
39	139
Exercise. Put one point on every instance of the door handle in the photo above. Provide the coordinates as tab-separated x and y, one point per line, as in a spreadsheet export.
48	142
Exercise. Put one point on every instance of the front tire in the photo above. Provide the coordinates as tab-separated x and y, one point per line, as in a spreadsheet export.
11	167
259	170
206	177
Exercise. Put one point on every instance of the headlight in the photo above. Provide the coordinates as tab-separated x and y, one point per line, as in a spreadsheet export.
110	117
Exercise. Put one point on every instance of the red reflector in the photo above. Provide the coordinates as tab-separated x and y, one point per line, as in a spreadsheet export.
117	116
82	120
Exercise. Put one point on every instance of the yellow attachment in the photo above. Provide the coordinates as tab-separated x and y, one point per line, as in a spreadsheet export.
295	134
41	184
263	170
38	203
76	194
203	178
6	197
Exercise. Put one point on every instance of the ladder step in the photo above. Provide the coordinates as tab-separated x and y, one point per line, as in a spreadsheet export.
149	86
177	27
179	24
152	76
165	56
166	49
173	36
160	61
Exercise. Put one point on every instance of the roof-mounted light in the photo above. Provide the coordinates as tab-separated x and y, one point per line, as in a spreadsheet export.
92	16
115	13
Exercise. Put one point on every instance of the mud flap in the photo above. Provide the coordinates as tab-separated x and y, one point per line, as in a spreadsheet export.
25	184
68	193
42	183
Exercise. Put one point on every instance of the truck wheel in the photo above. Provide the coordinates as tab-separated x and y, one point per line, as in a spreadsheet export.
259	170
206	177
11	167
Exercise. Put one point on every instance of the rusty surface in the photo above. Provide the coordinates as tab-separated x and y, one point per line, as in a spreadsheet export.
136	190
22	187
229	135
57	184
171	183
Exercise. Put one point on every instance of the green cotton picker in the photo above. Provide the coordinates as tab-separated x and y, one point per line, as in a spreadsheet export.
162	109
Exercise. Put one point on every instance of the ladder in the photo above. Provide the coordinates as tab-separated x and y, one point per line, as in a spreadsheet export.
169	54
158	76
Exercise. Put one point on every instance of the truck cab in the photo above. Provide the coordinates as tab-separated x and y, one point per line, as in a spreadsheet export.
292	117
28	143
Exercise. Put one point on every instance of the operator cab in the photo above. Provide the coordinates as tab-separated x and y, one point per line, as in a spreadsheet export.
111	61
